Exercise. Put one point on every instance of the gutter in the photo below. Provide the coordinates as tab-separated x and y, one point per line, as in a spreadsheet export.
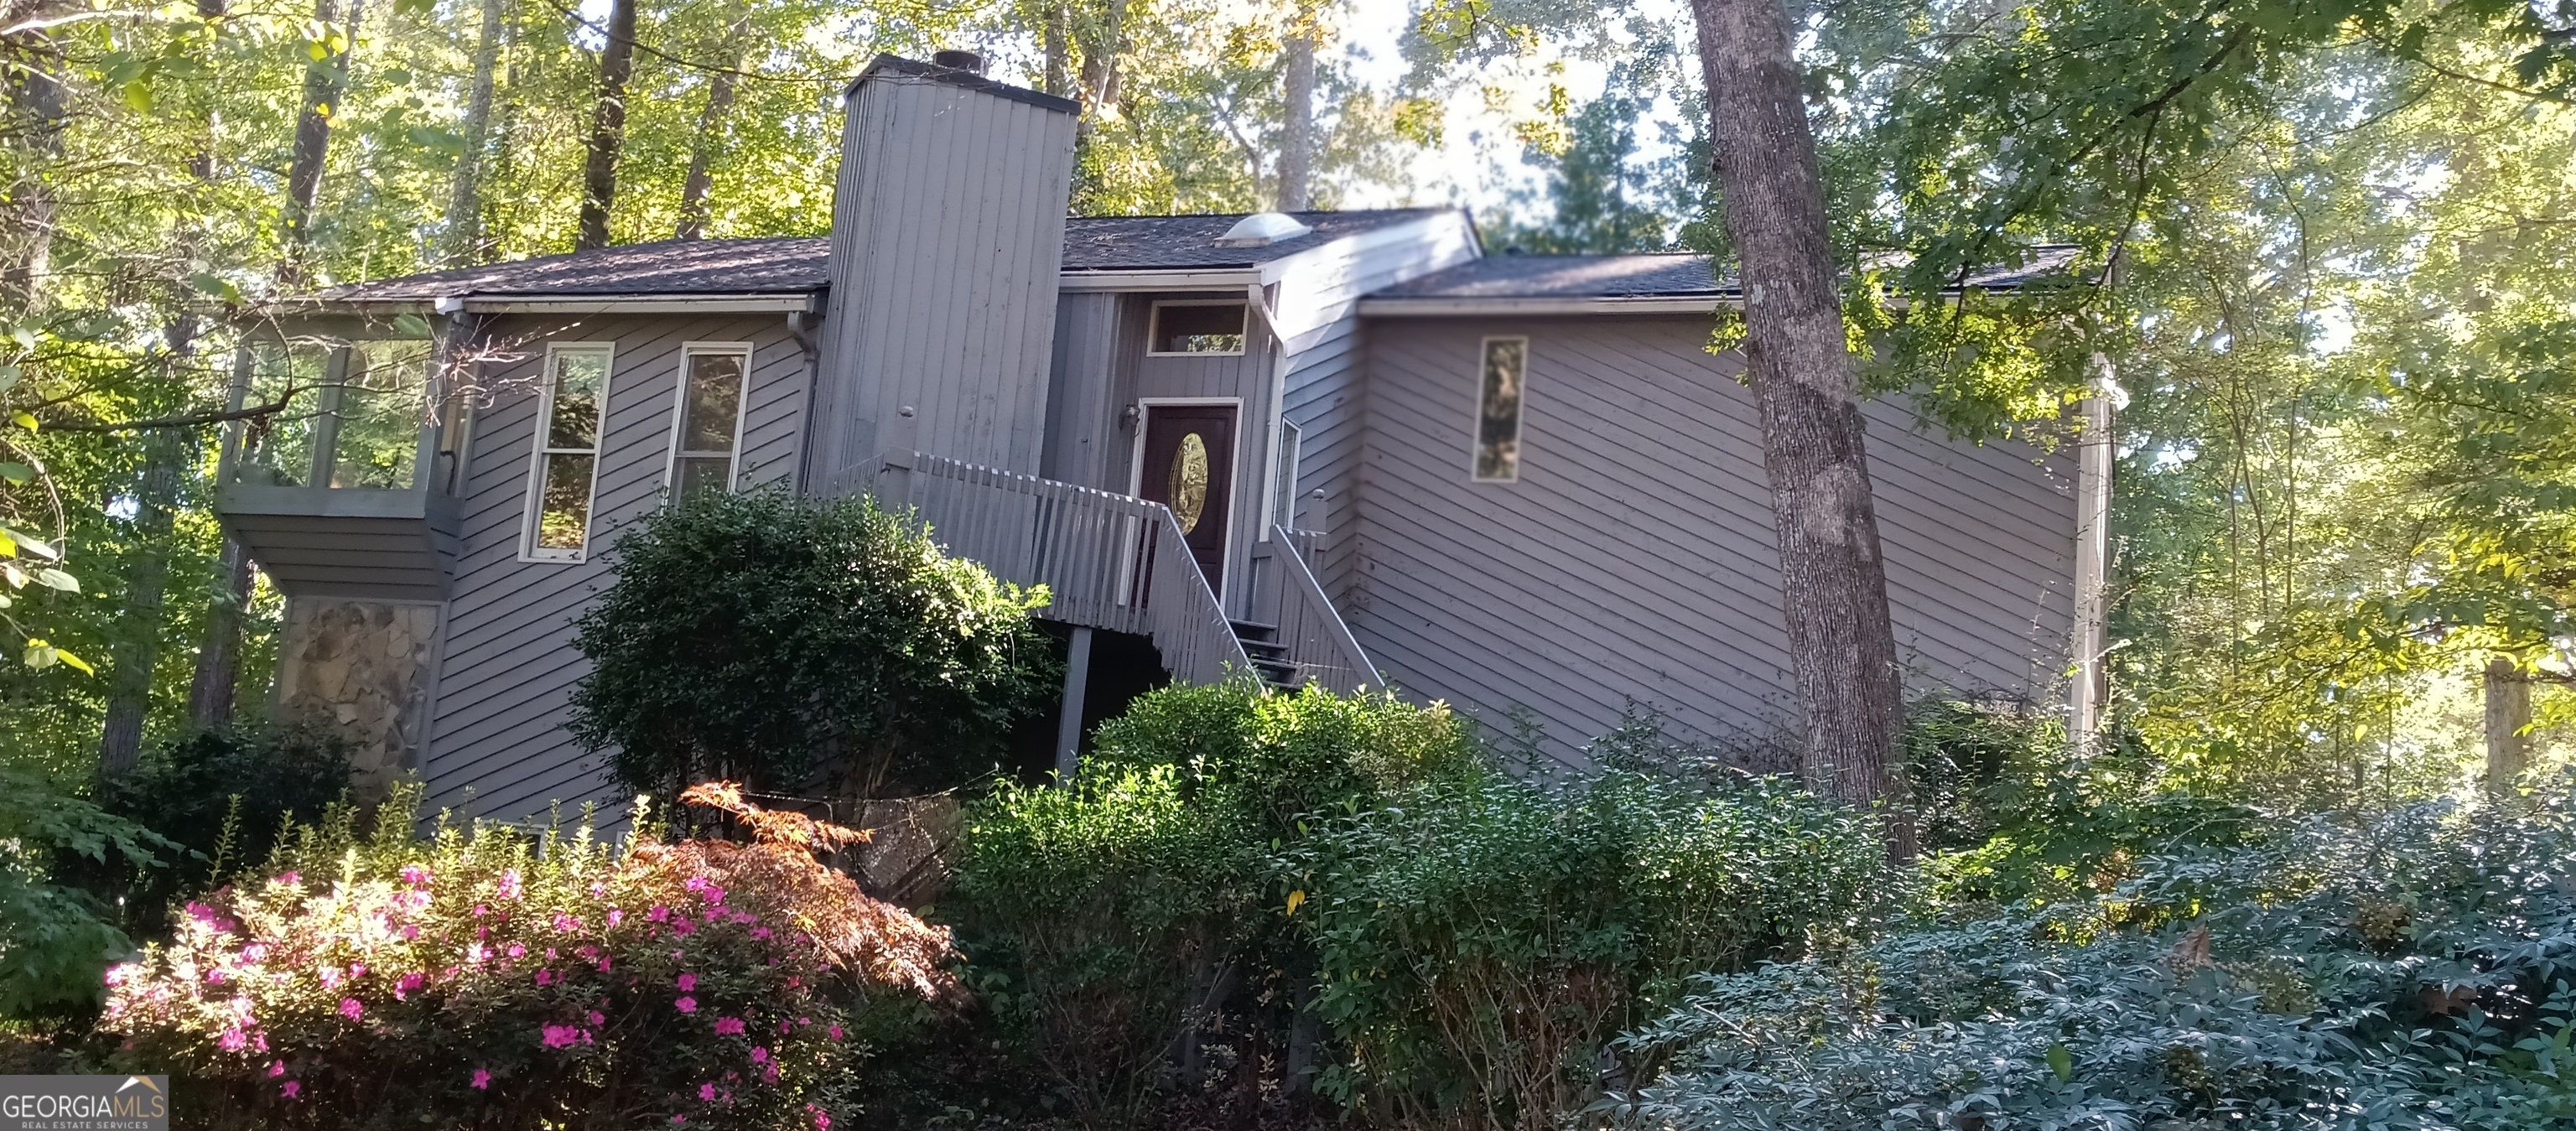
800	302
1604	304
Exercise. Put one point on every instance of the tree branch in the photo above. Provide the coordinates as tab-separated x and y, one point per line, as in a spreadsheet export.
191	421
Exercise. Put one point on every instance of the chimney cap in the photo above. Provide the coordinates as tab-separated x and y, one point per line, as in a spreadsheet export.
956	60
1261	229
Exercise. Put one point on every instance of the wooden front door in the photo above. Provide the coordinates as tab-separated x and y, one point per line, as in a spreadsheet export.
1189	467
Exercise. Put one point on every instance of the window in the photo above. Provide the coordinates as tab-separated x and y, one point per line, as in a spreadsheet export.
708	420
565	465
1498	410
1198	328
1283	481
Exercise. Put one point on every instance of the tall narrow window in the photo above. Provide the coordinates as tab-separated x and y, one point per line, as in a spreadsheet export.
707	425
1498	409
566	463
1283	480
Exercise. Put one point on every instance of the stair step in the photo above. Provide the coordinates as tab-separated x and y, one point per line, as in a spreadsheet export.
1252	630
1276	673
1265	650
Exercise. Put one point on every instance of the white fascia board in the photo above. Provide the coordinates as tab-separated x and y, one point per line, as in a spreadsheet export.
644	304
1316	284
1211	279
1469	307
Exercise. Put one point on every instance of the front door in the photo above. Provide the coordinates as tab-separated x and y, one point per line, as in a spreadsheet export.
1189	467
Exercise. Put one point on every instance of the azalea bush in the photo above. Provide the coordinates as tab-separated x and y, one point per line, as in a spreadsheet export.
486	978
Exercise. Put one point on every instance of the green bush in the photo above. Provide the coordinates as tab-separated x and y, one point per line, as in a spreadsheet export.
55	938
2412	969
769	639
1479	942
1127	929
482	979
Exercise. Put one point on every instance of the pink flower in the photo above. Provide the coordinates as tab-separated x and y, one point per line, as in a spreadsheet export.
477	952
785	1026
728	1026
615	916
330	977
688	982
566	924
759	1054
255	952
566	1036
658	914
686	1005
545	977
510	884
707	1092
415	875
603	964
214	977
410	931
696	883
403	986
289	878
357	969
483	1078
598	1018
276	1068
769	1074
760	932
836	1032
683	927
232	1040
201	913
351	1008
679	1119
822	1122
599	891
289	1088
517	951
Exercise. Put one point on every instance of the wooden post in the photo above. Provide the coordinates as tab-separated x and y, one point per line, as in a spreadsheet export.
1068	727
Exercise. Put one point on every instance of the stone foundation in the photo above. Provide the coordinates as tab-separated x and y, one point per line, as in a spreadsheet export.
361	668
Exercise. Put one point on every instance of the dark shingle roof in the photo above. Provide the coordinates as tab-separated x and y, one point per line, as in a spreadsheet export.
1146	243
896	68
1641	276
796	265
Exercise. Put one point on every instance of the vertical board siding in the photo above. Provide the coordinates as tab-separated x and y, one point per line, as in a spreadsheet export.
506	663
1635	559
947	239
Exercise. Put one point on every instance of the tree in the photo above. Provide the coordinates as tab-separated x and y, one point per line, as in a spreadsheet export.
800	644
1297	117
1833	581
607	126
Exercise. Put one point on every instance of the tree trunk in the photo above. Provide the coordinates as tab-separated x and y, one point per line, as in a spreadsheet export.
37	111
465	207
607	127
710	139
1833	583
138	623
324	83
1059	23
1297	125
1100	60
2508	696
210	694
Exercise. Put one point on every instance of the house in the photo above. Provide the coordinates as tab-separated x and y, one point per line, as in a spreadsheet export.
1350	448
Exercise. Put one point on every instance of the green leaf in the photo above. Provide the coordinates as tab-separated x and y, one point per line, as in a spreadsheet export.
138	96
431	137
39	655
2061	1062
411	324
75	661
29	543
215	285
8	377
17	472
57	579
23	420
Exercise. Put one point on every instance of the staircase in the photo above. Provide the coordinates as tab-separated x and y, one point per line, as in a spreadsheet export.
1269	656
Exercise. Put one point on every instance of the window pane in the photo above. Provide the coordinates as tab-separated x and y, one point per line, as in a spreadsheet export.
277	450
702	474
564	523
1216	328
1284	484
714	397
579	375
1498	414
381	415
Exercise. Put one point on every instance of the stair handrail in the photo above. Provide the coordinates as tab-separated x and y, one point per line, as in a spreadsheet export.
1109	561
1319	642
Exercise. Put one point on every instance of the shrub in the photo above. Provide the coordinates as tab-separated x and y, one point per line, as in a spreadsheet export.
482	979
55	938
1128	924
766	638
2408	970
1479	942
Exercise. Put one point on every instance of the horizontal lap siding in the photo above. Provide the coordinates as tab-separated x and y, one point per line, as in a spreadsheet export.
507	667
1635	559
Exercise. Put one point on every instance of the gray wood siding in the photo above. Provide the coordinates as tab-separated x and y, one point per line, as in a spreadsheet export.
1635	557
506	665
947	238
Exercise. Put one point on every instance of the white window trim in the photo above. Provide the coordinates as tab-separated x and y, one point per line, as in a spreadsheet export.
1145	407
680	411
1154	328
536	489
1476	418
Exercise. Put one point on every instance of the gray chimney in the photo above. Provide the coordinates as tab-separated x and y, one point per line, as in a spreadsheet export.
947	240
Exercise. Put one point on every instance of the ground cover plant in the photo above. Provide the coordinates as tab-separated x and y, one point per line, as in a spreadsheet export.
2414	968
487	978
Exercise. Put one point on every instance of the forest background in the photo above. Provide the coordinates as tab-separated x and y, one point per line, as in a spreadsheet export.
2329	259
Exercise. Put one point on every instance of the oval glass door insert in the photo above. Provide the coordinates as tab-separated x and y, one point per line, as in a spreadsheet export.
1189	485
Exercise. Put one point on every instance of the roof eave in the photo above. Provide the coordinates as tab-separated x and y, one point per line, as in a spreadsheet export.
723	302
1527	305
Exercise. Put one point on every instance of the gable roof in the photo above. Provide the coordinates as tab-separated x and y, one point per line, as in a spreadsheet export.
796	267
1646	283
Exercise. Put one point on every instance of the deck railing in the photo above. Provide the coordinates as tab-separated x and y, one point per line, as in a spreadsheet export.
1108	561
1319	643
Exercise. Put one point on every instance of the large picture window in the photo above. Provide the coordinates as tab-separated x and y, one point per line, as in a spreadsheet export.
1502	379
565	466
1198	327
707	423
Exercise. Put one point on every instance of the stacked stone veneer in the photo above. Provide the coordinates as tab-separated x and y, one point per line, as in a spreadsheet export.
361	668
